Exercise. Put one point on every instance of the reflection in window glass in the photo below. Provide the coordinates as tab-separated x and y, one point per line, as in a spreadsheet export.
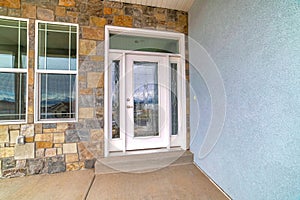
59	47
115	77
13	59
58	96
174	100
57	50
12	96
145	99
13	44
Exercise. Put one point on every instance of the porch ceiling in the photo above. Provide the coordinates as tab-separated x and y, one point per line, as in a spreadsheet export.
183	5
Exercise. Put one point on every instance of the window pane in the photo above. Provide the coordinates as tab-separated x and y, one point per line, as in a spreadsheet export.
146	122
13	44
57	51
73	51
115	77
137	43
12	96
59	45
58	96
174	101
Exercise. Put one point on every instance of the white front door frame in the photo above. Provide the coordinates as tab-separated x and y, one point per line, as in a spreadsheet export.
180	139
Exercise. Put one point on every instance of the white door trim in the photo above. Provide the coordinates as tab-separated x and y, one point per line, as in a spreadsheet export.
181	138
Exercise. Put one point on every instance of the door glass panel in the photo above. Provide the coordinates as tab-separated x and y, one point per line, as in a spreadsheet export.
145	97
174	101
115	78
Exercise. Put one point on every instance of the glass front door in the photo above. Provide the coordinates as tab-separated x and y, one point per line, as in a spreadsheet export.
145	102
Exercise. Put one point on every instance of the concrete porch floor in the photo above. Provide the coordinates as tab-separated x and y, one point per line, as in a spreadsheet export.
174	182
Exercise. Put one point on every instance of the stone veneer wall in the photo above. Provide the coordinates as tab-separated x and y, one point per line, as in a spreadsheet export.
52	148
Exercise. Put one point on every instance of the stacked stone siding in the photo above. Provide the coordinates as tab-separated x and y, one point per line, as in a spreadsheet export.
59	147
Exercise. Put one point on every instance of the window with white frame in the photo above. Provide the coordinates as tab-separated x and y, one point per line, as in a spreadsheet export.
56	71
13	69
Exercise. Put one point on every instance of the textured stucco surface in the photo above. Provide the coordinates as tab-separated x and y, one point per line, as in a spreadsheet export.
256	47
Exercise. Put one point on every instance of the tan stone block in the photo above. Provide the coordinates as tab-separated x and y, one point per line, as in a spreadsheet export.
61	127
50	152
97	58
71	158
29	139
28	10
59	151
72	14
82	78
38	128
87	47
107	11
10	3
20	164
4	137
84	153
30	77
171	24
13	135
69	148
49	130
93	33
73	166
95	80
123	21
160	17
25	151
59	138
60	11
86	113
67	3
14	127
45	14
27	130
96	134
46	137
44	145
116	11
7	152
58	145
86	91
40	153
97	21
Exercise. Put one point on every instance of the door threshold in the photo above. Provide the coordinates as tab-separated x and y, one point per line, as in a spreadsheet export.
144	151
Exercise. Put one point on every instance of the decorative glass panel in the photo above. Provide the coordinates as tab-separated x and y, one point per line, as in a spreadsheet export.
138	43
58	96
174	100
115	77
145	99
12	96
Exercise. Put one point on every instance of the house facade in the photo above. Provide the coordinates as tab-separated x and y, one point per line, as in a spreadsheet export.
83	79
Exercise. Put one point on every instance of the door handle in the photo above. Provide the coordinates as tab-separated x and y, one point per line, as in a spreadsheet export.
129	106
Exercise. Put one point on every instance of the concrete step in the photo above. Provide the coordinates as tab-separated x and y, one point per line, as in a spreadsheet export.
139	163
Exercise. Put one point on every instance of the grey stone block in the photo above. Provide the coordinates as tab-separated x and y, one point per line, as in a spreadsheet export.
8	163
36	166
72	136
56	164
